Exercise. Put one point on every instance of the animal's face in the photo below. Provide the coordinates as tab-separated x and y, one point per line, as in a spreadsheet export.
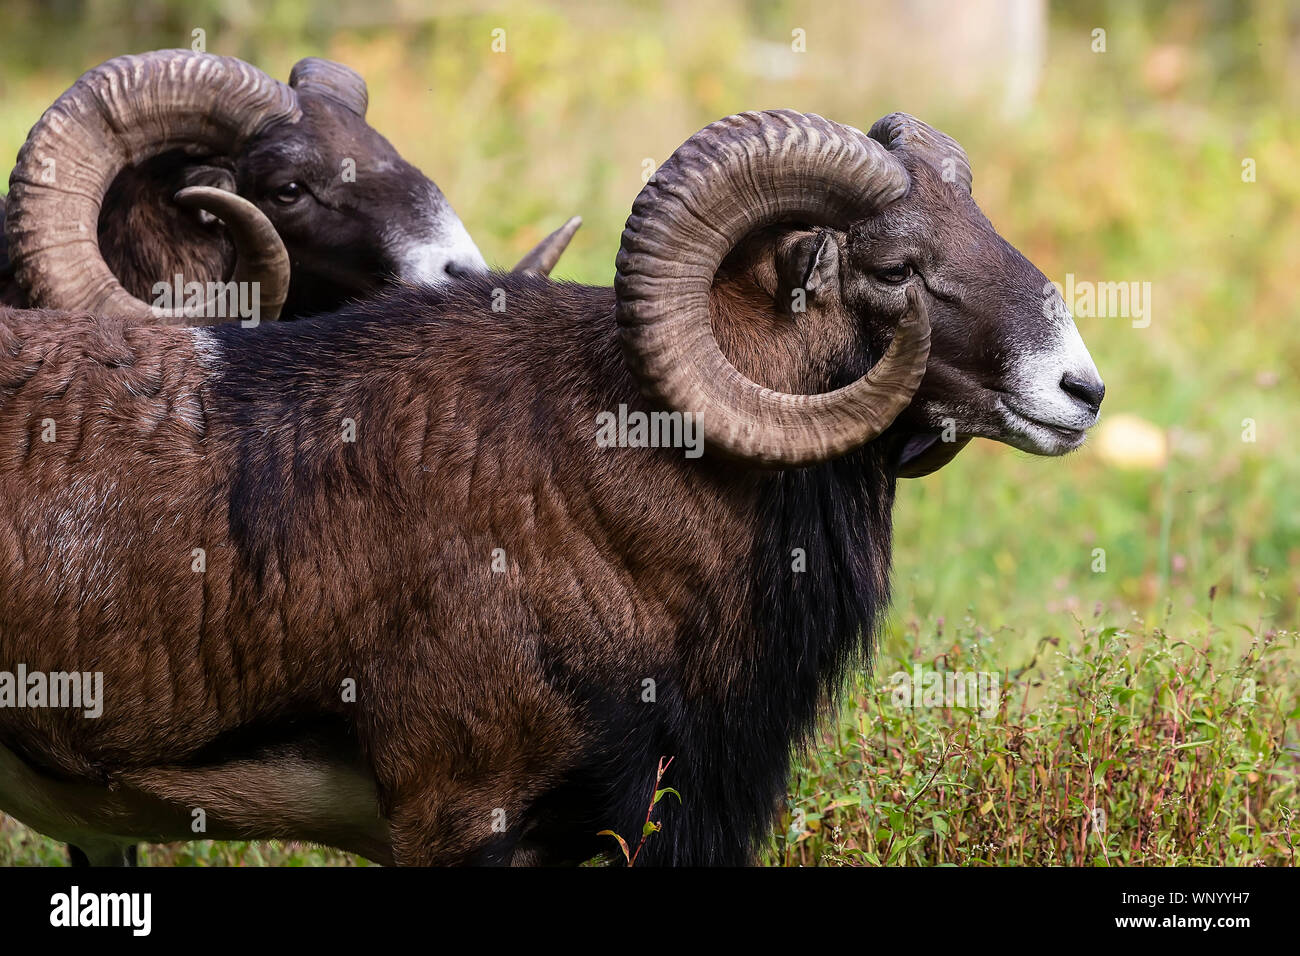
977	345
1006	361
326	209
349	209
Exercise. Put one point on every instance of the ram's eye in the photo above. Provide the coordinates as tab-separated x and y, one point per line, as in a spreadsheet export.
895	274
288	194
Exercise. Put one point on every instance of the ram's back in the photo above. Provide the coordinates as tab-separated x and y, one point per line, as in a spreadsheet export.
115	550
397	515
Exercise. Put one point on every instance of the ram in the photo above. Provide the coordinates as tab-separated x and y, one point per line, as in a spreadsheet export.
90	221
372	579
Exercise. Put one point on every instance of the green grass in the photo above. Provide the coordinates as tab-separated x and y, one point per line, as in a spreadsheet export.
1113	746
1123	692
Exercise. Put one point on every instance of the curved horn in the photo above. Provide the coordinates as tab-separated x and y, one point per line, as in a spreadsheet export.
543	257
340	83
120	113
906	132
261	258
733	176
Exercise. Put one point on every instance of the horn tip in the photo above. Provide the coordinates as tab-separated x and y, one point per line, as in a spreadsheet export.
544	256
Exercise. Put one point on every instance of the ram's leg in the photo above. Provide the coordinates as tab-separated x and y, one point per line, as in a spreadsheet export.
106	853
468	734
469	828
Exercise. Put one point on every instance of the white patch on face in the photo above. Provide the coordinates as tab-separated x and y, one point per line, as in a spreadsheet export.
1041	416
427	259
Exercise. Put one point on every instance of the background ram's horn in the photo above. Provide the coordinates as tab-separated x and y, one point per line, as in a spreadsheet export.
543	257
340	83
260	254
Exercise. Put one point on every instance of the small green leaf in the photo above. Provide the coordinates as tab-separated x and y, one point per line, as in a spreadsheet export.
621	842
1100	773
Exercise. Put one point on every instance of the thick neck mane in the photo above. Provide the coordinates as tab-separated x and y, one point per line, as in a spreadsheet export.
808	628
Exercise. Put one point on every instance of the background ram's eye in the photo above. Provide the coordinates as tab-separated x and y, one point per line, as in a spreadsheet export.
895	274
288	193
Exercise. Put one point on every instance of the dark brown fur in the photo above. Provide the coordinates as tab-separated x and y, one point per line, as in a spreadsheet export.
372	561
478	693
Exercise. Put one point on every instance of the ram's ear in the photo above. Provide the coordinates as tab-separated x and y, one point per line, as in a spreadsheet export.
808	266
217	177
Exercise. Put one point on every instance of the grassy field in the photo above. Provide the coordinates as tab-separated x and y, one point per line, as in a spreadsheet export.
1137	601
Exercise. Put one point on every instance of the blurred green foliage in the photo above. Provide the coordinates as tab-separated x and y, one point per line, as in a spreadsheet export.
1126	165
1118	747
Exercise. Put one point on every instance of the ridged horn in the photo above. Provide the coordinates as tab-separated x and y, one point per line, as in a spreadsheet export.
261	258
734	176
340	83
906	132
